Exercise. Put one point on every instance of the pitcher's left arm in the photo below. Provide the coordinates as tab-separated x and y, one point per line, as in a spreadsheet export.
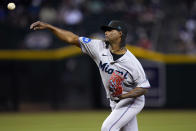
136	92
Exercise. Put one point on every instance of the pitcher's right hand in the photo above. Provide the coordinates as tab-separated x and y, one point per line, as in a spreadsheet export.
39	25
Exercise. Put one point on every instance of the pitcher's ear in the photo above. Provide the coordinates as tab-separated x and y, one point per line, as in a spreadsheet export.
120	33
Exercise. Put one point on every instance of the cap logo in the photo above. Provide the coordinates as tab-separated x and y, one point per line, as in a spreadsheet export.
119	28
110	23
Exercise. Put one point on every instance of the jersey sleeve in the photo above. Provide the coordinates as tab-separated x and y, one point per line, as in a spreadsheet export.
90	46
138	77
142	81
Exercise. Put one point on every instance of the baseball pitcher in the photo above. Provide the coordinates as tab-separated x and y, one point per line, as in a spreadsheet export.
122	75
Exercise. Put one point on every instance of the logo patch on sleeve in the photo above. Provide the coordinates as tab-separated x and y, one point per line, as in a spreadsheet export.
86	40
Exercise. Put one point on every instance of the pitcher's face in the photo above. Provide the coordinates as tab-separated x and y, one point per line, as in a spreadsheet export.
112	35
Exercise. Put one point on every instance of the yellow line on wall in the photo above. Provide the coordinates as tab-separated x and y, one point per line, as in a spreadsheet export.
160	57
39	54
69	51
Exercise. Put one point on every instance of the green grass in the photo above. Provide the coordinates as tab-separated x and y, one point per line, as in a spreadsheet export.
173	120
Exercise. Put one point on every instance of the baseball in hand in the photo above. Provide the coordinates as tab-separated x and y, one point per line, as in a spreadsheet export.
11	6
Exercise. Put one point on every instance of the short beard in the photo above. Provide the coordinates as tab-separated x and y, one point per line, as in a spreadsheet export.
107	43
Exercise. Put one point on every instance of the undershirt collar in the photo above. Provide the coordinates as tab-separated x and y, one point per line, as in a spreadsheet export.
116	56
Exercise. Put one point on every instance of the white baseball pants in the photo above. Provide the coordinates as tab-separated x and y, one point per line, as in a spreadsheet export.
123	115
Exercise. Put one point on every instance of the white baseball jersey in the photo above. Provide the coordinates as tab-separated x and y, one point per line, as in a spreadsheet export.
123	115
127	65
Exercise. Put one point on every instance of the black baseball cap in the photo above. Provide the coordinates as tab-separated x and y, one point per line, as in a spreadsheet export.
117	25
